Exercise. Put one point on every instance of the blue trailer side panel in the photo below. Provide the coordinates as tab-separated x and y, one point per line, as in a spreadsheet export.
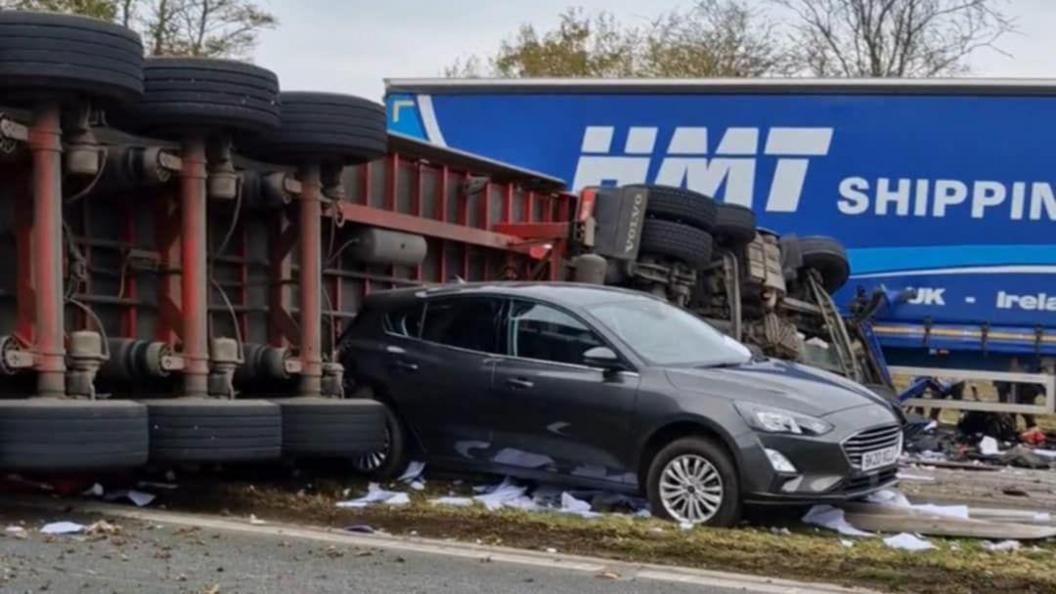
950	195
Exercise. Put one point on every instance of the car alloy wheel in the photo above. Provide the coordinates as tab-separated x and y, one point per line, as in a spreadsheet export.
371	461
691	489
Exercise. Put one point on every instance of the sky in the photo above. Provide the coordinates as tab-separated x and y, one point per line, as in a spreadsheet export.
351	46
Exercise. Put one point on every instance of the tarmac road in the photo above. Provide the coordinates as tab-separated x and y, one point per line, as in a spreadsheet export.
203	557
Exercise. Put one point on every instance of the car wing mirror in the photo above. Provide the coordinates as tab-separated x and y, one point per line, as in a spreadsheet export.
603	357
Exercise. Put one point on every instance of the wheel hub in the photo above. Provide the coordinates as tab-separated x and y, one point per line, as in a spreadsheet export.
691	489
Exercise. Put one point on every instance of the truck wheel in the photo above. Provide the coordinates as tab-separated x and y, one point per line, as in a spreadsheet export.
42	54
327	127
828	257
214	430
190	92
57	434
693	480
667	238
680	206
331	427
734	225
390	459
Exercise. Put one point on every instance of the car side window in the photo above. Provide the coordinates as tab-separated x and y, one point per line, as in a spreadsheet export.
405	321
541	332
464	322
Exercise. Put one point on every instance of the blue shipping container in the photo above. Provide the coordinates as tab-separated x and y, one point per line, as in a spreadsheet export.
945	187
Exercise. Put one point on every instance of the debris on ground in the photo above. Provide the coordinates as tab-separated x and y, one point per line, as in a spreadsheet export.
1003	546
832	518
360	529
375	494
60	528
101	528
15	532
137	498
413	475
908	542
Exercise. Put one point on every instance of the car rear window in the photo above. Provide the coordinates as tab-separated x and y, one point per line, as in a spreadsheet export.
405	321
465	322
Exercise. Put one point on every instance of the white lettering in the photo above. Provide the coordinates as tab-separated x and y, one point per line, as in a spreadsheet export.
984	194
920	206
948	192
1019	192
603	170
853	197
928	296
1036	302
900	197
707	176
1041	195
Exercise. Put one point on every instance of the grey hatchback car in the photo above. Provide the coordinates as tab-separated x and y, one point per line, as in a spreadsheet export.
606	388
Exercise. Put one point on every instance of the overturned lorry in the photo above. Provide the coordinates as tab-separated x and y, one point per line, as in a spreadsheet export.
184	242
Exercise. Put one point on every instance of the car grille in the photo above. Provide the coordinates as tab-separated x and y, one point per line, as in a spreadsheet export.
870	440
859	483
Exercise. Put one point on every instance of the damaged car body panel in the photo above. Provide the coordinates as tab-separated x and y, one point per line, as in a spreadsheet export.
594	386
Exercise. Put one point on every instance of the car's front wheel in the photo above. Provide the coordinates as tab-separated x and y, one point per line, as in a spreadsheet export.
389	461
693	480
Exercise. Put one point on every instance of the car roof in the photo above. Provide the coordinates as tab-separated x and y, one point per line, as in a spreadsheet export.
563	293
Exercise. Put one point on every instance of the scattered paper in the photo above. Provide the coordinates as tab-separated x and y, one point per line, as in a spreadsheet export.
832	518
571	505
452	500
413	472
253	519
157	485
897	499
62	528
1003	546
15	531
988	446
847	544
375	494
95	490
908	542
138	498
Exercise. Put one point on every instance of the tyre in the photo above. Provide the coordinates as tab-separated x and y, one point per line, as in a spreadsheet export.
829	258
326	127
202	92
56	434
675	240
44	54
214	430
331	427
390	460
680	206
693	480
734	225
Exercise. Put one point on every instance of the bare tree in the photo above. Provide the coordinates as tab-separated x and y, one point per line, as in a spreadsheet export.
100	9
713	38
205	28
892	38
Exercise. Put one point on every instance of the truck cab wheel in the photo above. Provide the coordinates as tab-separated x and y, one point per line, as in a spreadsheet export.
692	480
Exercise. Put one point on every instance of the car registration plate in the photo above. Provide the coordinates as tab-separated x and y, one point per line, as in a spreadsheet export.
879	458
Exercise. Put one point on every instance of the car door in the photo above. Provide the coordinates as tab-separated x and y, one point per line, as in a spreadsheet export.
551	412
445	370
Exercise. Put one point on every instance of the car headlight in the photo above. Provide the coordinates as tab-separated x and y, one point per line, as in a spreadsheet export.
779	420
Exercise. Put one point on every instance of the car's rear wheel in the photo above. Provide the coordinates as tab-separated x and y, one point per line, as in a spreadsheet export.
693	480
389	461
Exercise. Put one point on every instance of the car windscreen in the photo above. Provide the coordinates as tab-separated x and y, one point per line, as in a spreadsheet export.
666	335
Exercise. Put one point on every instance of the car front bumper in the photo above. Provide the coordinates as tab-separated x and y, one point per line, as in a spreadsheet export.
824	470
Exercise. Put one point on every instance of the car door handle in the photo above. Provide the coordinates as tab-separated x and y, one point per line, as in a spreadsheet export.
519	383
407	365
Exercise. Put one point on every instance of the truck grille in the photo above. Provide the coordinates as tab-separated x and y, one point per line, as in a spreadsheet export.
869	440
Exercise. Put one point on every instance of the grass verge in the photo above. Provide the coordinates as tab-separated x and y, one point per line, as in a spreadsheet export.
955	566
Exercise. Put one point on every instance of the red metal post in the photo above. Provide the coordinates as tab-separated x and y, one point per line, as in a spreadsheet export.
311	277
46	144
193	288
